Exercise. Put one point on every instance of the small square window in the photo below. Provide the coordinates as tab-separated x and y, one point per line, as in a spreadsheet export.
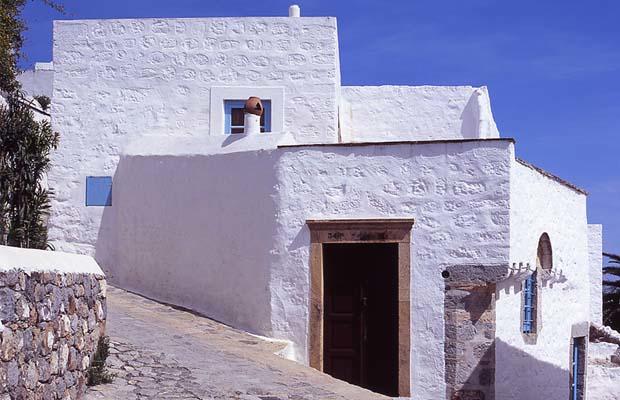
234	116
98	190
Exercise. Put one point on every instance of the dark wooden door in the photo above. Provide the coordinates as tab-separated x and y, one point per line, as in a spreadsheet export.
343	323
361	315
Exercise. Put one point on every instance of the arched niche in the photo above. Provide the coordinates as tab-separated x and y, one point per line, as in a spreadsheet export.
544	254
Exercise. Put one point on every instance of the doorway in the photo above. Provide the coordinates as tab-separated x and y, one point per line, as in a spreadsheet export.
396	233
361	314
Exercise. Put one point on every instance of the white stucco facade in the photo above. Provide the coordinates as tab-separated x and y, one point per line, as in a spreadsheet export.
38	81
253	234
540	204
379	113
217	222
595	257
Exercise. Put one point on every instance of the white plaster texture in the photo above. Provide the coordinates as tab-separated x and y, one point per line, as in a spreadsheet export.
380	113
457	193
539	204
603	376
595	258
33	260
117	81
38	81
216	222
239	251
155	75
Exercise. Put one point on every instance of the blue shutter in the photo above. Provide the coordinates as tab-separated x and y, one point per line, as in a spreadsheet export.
228	106
98	190
529	294
267	111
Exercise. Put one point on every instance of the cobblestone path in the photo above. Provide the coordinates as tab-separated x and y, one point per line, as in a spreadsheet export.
159	352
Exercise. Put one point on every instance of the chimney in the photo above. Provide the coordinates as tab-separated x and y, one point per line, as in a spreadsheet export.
293	11
251	118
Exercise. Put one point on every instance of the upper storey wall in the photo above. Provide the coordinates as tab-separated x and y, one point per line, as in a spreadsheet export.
120	78
373	113
38	81
118	82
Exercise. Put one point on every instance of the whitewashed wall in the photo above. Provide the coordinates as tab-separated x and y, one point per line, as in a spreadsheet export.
595	256
418	113
38	81
539	204
458	195
225	234
195	231
119	80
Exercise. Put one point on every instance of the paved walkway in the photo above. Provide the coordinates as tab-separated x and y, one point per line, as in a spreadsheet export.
159	352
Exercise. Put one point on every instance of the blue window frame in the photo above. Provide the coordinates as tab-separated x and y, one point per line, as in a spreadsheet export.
233	116
578	369
98	190
529	303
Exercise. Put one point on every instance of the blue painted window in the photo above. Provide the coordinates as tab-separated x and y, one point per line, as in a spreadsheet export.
529	304
98	190
233	116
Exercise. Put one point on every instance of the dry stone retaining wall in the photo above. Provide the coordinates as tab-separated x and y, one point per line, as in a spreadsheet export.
50	325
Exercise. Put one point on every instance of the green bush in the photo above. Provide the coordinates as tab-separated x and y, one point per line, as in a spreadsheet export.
98	372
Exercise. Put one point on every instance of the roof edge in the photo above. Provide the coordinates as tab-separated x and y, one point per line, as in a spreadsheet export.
397	142
551	176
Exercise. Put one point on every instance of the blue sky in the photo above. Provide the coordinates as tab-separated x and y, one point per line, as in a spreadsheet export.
552	67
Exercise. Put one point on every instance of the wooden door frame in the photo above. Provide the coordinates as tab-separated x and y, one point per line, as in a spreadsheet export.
362	231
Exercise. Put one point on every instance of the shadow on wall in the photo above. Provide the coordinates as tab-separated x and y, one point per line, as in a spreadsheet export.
529	378
477	116
195	231
470	127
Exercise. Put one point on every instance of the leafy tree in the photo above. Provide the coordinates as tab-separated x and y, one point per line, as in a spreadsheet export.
25	143
25	147
611	291
12	28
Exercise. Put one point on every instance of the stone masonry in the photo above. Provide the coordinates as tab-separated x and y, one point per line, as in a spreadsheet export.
50	325
469	308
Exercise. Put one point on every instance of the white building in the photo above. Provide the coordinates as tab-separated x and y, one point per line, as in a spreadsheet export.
389	233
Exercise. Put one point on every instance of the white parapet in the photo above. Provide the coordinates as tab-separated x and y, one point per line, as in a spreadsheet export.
32	260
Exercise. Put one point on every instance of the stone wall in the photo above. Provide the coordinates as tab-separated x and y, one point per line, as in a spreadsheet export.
50	326
469	349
